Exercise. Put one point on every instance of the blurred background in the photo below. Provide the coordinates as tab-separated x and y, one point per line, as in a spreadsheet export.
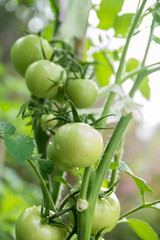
19	187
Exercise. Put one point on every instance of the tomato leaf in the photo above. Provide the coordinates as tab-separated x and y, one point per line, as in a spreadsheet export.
7	128
20	147
141	184
145	88
46	165
63	181
122	23
142	229
132	64
104	69
107	8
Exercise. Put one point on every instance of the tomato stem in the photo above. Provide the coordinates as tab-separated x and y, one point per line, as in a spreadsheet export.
43	185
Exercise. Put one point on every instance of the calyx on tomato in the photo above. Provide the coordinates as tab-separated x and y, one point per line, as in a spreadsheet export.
82	92
78	144
27	50
44	78
30	226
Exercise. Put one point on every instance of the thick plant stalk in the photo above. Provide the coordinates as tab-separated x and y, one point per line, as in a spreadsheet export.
85	217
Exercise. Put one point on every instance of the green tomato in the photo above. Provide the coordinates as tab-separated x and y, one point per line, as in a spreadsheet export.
106	214
78	144
27	50
56	160
42	78
48	120
82	92
30	227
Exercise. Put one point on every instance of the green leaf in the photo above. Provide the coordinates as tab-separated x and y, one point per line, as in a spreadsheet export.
132	64
142	229
145	88
63	181
107	12
7	128
122	23
46	165
103	69
156	39
20	147
141	184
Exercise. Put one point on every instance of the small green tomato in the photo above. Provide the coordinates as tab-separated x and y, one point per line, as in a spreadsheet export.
48	120
82	92
30	227
42	78
28	49
56	160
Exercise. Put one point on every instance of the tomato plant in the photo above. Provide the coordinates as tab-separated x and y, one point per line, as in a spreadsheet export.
44	78
80	140
78	144
82	92
106	214
27	50
30	226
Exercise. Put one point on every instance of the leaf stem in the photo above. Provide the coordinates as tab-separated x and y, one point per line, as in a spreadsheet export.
145	205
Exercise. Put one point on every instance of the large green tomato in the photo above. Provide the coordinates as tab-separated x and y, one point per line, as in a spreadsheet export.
42	78
106	214
27	50
78	144
82	92
30	227
56	160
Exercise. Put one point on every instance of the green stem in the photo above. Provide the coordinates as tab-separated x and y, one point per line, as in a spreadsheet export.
43	185
85	182
96	180
130	34
142	75
117	158
146	205
56	186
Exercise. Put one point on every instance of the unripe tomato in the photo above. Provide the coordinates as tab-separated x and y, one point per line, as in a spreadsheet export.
27	50
106	214
56	160
48	120
42	78
82	92
30	226
78	144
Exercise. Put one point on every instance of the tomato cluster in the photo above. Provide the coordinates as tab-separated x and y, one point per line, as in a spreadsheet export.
75	144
